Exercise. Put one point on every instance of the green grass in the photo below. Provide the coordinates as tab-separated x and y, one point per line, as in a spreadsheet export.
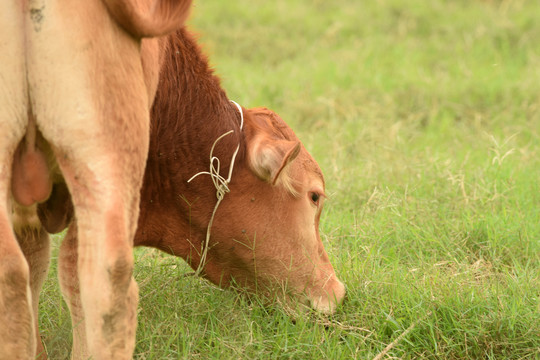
425	118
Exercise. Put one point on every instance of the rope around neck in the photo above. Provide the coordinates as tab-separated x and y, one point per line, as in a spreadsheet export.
221	184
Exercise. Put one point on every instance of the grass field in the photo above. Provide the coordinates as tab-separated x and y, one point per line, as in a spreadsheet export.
425	118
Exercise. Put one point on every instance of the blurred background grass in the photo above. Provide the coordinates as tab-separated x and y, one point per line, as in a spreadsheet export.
425	119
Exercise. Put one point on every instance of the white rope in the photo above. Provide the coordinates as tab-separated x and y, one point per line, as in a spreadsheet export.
221	184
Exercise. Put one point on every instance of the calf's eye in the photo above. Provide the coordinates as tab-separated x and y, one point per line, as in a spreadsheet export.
315	198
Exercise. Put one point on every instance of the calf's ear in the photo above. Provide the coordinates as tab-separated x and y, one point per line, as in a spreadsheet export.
268	156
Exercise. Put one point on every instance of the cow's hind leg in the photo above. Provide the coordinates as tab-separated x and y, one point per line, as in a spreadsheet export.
103	171
17	337
98	130
35	244
106	218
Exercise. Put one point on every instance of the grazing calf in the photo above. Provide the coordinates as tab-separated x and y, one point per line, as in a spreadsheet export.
265	232
74	115
264	236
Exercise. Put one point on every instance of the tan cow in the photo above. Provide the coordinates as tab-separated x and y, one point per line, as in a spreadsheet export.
74	110
265	233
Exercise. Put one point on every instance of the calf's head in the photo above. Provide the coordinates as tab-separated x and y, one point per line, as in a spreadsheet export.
265	235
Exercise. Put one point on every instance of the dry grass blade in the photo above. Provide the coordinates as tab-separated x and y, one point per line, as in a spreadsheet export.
400	337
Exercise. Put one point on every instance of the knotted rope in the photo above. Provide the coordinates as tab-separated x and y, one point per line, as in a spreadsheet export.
221	184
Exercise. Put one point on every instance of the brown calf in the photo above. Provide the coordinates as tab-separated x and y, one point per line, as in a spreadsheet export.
265	231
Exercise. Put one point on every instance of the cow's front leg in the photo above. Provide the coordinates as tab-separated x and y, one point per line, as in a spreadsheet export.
35	244
69	283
